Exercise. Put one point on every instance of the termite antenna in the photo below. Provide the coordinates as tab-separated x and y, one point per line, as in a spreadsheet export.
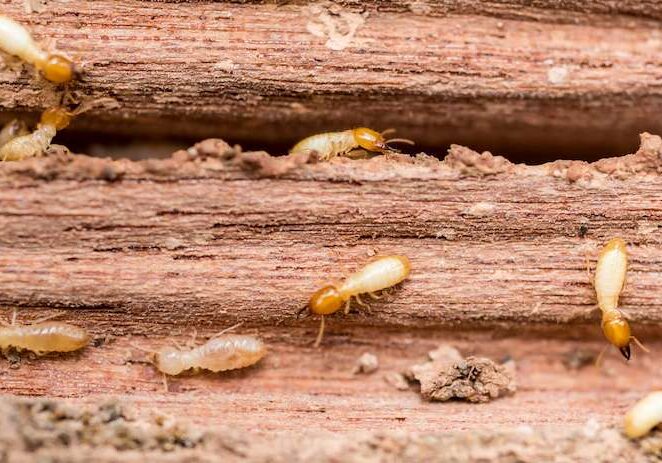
236	325
400	140
387	131
48	317
148	351
85	106
320	334
641	346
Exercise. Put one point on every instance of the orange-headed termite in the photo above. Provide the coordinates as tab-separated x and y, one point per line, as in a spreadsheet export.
43	337
609	282
16	40
644	415
36	143
377	275
332	144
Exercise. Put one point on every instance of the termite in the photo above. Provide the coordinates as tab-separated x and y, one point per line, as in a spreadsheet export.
381	273
16	40
36	143
42	337
221	353
331	144
609	281
644	415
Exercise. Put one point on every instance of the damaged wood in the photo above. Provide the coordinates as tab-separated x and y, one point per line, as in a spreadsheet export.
142	253
41	430
574	77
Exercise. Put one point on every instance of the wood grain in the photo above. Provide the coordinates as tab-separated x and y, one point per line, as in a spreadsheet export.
144	253
535	80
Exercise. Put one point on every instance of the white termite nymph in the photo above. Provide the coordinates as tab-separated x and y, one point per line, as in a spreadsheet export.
23	146
644	415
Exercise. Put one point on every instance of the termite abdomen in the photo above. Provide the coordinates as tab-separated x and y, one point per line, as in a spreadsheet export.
44	337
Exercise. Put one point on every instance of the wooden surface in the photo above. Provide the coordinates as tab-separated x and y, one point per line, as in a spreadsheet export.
144	253
532	80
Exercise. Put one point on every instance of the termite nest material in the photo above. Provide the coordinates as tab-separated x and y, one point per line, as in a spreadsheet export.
449	376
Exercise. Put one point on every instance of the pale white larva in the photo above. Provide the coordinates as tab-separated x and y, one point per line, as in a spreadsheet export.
644	415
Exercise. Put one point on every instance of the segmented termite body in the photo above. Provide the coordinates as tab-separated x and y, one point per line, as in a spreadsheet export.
44	337
16	40
377	275
644	415
36	143
333	144
228	352
609	281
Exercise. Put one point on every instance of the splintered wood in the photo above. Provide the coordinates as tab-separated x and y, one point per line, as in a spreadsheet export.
540	78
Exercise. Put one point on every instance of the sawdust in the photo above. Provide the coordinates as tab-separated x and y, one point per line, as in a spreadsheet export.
447	376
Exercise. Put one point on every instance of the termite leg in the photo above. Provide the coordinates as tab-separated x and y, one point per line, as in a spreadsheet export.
176	344
194	337
348	306
374	296
641	346
165	383
320	334
361	303
598	361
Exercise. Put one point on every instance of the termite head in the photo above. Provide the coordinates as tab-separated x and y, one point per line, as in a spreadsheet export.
369	139
56	117
169	361
325	301
617	331
58	69
372	140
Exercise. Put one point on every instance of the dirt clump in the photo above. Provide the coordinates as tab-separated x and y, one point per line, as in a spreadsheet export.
447	376
367	363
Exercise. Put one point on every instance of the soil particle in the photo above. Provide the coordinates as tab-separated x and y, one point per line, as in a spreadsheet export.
367	363
446	376
472	164
397	380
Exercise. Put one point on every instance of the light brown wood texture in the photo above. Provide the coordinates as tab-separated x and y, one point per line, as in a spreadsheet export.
144	253
529	79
